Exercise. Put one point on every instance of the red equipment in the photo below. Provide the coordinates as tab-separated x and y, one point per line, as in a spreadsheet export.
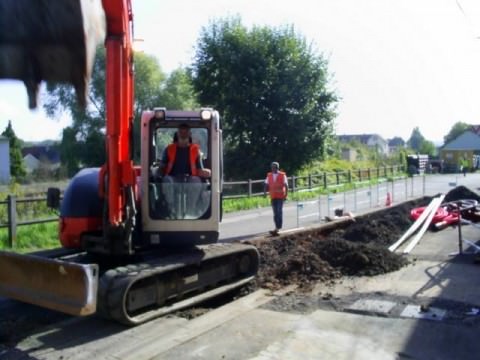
448	213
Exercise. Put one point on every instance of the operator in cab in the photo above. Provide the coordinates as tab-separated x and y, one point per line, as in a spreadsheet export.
182	158
182	171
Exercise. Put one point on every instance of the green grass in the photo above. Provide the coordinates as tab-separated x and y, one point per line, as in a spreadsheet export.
32	238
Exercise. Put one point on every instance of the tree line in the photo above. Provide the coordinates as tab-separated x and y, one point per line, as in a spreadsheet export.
270	85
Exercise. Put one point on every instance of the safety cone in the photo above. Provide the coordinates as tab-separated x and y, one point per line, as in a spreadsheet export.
388	201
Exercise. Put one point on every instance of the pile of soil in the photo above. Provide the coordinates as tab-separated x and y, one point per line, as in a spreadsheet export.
358	248
460	193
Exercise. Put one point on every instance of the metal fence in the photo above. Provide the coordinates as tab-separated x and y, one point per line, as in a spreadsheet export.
249	188
360	199
235	189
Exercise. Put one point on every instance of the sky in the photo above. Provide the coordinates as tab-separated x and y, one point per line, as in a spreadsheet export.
395	64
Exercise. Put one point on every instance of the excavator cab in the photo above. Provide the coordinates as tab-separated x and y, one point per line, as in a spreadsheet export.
181	208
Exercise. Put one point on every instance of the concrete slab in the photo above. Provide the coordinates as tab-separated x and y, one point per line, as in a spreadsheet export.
372	306
415	311
267	335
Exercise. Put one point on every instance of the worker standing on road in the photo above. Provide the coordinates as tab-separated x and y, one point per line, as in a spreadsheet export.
464	164
277	185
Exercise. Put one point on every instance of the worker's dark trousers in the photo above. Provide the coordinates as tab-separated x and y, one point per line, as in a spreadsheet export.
277	206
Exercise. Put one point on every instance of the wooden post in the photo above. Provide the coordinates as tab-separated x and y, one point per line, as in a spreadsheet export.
249	187
12	220
359	174
293	183
310	181
369	174
325	180
338	178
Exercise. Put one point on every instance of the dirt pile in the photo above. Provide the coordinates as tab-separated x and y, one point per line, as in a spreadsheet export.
358	259
353	248
291	260
460	193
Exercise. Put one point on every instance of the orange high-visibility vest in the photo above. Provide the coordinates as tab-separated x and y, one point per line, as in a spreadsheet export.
172	153
277	188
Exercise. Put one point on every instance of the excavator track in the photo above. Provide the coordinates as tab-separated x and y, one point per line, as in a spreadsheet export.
134	294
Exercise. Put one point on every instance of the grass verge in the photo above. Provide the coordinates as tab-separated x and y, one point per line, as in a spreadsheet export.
32	237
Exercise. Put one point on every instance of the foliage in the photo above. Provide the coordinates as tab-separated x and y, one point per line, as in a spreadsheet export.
428	147
83	143
178	92
457	129
416	139
32	237
272	90
17	167
333	165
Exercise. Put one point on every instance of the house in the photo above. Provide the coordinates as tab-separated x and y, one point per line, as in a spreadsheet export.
395	144
373	141
349	154
4	160
466	146
41	156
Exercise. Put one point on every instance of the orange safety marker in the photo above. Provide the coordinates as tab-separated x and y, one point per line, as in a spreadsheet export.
388	201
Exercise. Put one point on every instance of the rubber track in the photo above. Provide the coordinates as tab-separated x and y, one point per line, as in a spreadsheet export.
115	283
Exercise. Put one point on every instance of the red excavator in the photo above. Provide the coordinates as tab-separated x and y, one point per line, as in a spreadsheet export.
134	246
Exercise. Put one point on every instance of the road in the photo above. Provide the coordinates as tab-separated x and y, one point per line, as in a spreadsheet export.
259	221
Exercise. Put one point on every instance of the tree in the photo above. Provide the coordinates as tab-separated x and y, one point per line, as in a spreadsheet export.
457	129
83	142
17	167
178	92
428	147
272	90
416	139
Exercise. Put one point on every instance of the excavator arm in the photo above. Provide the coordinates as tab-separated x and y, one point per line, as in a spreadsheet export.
55	41
119	172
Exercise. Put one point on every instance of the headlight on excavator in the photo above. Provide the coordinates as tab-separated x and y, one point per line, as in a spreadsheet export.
159	113
206	114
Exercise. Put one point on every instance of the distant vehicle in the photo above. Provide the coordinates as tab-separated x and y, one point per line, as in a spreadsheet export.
416	164
435	166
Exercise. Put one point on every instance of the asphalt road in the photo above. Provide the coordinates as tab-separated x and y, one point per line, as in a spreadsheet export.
259	221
